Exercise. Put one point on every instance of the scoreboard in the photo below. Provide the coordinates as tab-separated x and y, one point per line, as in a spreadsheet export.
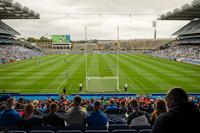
61	39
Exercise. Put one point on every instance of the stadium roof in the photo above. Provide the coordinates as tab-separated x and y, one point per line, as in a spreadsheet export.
10	10
5	29
186	12
191	28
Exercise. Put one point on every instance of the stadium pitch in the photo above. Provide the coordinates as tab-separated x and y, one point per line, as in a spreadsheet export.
142	73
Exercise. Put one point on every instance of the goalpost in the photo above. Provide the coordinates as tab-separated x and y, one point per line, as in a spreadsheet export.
101	83
107	80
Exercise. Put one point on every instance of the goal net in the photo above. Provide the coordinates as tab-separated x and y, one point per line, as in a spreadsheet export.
102	84
101	71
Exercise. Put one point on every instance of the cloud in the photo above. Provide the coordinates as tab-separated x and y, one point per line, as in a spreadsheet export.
54	19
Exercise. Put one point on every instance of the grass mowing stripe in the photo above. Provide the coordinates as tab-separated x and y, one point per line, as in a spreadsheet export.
11	81
107	61
173	75
112	65
60	71
123	77
77	76
43	79
132	74
34	89
185	73
105	70
141	74
152	74
72	67
93	67
11	69
26	80
182	65
28	76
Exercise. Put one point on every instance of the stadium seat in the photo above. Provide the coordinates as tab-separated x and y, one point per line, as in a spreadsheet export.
41	131
124	131
96	128
117	127
145	131
16	131
8	127
138	128
69	131
116	111
96	131
55	128
75	127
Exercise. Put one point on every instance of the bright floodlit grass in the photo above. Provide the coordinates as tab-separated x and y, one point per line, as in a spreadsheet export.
143	74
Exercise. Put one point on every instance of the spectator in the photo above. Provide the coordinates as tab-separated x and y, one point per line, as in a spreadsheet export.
97	118
112	108
181	118
123	109
137	118
53	118
10	117
29	111
75	115
29	119
160	108
149	108
12	53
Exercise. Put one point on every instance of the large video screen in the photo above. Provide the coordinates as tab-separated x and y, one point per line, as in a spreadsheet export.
61	39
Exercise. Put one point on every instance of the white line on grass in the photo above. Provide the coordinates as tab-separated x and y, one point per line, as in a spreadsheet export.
58	88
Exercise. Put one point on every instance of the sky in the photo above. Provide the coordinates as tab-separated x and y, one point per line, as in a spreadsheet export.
60	17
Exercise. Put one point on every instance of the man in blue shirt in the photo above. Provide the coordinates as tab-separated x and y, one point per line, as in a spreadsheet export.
97	118
112	108
10	117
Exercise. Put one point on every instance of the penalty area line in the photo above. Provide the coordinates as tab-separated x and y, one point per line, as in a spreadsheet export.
58	88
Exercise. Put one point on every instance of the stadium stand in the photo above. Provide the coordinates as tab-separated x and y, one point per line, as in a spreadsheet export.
186	48
12	49
12	53
33	113
10	10
122	45
186	12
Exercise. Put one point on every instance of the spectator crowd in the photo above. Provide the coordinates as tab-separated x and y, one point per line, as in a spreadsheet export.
177	113
12	53
180	53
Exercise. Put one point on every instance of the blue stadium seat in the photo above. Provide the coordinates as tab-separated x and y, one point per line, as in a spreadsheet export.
41	131
96	131
96	128
69	131
145	131
16	131
117	127
125	131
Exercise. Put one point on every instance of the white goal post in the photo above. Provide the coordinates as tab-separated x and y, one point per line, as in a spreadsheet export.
102	84
96	83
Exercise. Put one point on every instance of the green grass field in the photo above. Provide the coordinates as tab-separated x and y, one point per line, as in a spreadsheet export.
144	74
